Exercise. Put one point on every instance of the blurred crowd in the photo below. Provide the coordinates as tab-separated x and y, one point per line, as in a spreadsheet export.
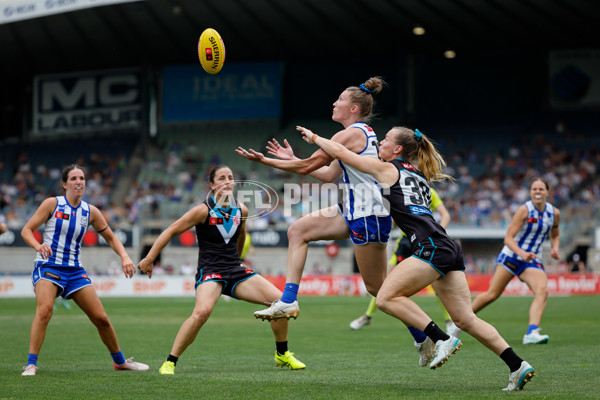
489	186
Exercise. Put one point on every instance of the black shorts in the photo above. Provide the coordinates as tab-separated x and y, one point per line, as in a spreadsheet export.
403	248
228	276
442	253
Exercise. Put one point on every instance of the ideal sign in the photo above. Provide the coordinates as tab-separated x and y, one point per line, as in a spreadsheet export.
92	101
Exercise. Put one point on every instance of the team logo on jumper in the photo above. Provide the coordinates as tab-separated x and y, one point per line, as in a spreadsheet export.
212	276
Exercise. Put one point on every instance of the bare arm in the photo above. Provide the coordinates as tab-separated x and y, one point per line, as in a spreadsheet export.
328	173
101	226
511	232
384	173
444	214
298	166
555	236
40	216
3	228
190	219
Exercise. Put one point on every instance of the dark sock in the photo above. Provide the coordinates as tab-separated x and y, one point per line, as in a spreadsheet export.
511	359
417	334
281	347
435	333
173	359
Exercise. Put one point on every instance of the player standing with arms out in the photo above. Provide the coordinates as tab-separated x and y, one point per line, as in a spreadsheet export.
221	233
361	216
521	256
436	257
58	271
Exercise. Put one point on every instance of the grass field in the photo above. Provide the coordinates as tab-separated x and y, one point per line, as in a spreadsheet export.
232	357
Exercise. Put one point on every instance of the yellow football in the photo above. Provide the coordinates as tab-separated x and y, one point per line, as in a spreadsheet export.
211	51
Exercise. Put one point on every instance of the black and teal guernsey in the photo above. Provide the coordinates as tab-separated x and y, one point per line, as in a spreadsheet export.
218	235
410	204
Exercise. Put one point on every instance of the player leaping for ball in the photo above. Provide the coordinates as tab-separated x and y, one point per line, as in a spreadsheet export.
361	216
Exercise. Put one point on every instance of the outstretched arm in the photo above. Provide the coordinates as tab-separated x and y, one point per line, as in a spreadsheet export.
328	173
383	172
187	221
296	165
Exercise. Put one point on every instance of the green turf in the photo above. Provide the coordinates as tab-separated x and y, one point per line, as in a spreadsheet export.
232	357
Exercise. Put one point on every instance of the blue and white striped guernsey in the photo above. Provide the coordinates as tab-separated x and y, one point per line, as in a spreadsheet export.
362	192
64	232
534	230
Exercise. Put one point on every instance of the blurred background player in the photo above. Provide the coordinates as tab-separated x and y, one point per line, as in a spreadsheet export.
221	232
3	226
402	251
58	271
521	256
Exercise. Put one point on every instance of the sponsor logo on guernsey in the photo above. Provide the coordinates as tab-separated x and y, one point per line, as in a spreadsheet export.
51	275
249	271
416	210
58	215
215	221
408	166
212	276
532	220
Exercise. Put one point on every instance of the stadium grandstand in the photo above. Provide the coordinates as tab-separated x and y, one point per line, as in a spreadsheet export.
117	88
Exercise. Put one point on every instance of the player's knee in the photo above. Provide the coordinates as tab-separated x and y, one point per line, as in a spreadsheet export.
383	302
296	234
372	290
464	321
201	314
44	312
101	320
541	292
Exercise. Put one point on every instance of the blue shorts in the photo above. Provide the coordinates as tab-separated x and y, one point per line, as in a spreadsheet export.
516	266
68	279
371	229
